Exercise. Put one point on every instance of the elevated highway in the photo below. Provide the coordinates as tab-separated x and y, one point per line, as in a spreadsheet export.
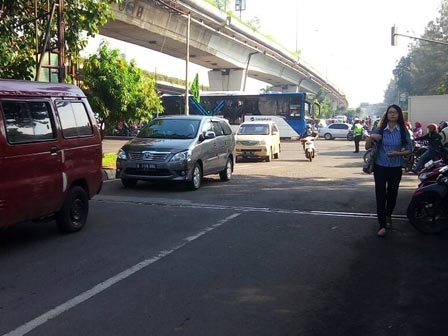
231	50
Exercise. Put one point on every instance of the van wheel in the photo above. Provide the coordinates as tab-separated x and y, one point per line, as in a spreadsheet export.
226	174
73	215
129	183
196	179
269	156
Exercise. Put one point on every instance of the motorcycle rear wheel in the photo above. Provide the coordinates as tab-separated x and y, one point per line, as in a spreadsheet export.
427	213
309	155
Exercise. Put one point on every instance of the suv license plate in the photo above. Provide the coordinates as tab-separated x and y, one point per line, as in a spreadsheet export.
146	166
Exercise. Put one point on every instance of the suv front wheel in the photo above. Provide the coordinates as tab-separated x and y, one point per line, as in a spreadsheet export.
226	174
196	178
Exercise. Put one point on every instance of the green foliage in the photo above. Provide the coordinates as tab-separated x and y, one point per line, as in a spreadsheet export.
118	90
109	160
424	71
19	26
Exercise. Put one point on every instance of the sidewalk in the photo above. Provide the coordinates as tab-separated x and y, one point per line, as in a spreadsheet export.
112	145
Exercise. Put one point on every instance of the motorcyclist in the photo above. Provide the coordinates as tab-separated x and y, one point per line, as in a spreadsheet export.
418	131
435	146
308	133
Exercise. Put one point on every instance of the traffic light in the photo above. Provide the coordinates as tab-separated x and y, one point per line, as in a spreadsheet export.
393	36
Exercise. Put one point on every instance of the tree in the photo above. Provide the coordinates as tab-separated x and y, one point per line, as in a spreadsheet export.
391	93
118	90
19	26
424	71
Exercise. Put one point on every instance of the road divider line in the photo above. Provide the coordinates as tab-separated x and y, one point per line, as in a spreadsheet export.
55	312
189	204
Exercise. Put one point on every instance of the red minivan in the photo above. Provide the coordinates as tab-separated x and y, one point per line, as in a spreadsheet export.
50	154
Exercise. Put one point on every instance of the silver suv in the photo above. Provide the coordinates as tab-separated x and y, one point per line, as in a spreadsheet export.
178	148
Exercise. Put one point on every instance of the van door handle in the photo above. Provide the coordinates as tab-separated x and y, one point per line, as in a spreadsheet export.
53	150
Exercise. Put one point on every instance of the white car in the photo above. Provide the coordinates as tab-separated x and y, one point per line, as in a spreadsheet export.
258	139
336	130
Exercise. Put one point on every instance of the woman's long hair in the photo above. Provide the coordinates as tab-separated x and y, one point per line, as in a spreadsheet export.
401	124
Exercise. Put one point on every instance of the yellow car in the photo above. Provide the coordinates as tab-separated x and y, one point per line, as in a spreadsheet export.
258	139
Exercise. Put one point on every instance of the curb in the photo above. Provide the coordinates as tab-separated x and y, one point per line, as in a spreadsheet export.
108	174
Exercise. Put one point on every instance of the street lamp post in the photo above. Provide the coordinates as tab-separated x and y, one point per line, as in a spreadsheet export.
187	61
172	7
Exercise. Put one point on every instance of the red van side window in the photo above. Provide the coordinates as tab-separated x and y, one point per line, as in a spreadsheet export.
74	118
28	121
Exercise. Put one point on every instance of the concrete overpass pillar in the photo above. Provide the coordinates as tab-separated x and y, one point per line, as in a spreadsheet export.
227	80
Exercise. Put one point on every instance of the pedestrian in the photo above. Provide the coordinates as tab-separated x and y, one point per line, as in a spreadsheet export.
393	143
358	131
435	146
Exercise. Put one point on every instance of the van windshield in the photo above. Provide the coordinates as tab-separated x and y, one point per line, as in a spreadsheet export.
254	130
170	129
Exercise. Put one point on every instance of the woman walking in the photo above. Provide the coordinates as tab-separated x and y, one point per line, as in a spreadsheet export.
393	143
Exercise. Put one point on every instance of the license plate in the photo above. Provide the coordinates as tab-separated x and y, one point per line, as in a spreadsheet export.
427	164
146	166
248	153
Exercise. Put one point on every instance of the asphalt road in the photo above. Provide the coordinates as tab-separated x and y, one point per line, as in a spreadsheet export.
284	248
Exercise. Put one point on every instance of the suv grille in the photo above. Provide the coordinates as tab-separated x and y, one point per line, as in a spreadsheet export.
149	156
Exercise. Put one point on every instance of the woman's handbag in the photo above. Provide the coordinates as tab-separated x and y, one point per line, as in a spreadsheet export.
370	159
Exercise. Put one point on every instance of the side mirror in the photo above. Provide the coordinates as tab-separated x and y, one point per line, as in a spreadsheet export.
274	132
209	135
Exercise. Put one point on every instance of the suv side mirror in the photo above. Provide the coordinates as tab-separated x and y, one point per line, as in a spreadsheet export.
209	135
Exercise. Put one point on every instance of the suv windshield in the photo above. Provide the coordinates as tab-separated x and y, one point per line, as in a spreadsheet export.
170	129
254	130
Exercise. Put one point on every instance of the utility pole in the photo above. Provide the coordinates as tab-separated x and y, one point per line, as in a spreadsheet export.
172	8
61	43
187	62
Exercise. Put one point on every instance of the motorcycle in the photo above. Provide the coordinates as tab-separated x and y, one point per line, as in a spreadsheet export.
419	147
308	147
428	175
428	209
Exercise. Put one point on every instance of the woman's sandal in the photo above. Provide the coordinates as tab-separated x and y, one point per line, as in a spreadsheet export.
381	232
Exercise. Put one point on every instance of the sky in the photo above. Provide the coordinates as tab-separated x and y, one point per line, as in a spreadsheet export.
346	41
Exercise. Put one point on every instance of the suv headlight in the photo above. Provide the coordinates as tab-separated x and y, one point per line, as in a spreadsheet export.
181	156
122	155
262	142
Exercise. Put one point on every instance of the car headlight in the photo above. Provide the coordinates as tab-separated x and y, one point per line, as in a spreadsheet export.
262	142
122	155
182	156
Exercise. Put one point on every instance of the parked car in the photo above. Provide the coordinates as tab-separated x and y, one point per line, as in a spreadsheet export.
178	148
50	154
336	130
258	139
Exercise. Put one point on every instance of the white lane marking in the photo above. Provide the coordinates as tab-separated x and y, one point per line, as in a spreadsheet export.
186	203
53	313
